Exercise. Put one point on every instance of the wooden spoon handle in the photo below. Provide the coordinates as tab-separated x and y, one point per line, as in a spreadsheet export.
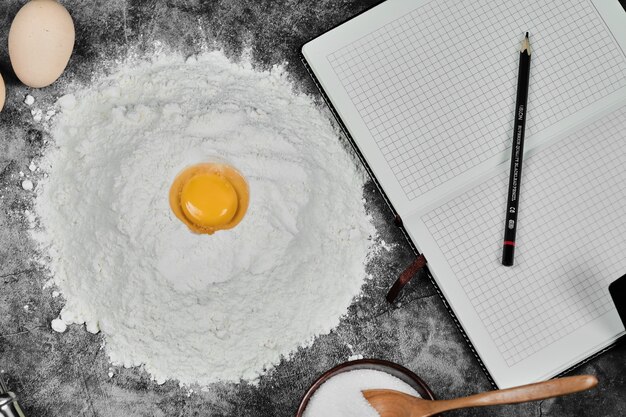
524	393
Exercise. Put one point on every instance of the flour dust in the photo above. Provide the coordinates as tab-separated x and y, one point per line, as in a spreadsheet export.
200	308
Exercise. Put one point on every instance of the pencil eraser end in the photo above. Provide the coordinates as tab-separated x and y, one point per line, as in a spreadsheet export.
508	252
618	294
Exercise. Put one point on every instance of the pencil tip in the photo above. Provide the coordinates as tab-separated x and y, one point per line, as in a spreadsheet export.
525	44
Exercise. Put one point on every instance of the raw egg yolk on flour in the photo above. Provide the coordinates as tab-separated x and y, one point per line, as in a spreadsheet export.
210	196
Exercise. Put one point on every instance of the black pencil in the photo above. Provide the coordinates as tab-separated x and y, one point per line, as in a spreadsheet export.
517	153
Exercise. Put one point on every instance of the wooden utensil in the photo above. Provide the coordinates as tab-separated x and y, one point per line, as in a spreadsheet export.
390	403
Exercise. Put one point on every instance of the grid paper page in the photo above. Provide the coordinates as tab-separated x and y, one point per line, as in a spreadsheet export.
436	88
570	240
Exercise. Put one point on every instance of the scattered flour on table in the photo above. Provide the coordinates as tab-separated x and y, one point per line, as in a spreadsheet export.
200	308
27	185
341	395
58	325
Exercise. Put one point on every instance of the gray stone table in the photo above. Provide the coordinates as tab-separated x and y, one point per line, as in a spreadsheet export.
66	375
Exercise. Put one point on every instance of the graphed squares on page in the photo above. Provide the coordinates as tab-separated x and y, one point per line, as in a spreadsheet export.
570	244
436	87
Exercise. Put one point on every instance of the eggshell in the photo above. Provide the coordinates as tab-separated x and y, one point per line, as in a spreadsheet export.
41	40
2	93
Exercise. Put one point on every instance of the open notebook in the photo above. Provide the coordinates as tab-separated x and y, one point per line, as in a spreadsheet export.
426	90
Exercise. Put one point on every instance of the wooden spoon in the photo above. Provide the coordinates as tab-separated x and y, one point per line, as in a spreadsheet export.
390	403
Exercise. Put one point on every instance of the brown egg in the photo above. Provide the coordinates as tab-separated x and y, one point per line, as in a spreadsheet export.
41	40
2	93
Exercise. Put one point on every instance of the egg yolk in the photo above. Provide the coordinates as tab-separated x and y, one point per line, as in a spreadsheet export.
209	199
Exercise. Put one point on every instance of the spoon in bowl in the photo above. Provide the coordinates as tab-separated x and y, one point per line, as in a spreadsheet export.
390	403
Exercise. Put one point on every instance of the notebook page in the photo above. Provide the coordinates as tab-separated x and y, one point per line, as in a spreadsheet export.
552	308
428	95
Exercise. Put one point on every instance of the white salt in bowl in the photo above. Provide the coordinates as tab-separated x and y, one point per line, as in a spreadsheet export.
393	369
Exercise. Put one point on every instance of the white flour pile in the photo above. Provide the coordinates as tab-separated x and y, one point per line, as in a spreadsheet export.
200	308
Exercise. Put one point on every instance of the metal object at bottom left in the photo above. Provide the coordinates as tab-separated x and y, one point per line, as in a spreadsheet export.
8	402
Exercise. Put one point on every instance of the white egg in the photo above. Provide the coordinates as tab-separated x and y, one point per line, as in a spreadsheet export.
2	92
41	40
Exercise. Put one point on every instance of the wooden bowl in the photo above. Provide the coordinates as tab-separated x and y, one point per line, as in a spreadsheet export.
391	368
